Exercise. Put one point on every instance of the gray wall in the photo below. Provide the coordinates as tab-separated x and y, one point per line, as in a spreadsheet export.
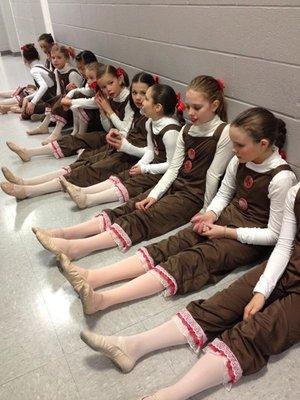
4	44
252	44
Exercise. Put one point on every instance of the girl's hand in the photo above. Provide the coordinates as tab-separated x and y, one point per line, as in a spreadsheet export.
66	102
213	231
145	204
136	170
199	220
103	104
30	108
70	86
114	139
255	305
24	105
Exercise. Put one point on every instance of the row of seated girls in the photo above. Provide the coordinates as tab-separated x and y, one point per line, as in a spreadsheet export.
167	173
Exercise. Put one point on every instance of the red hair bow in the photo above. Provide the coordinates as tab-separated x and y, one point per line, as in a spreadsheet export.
93	85
282	154
155	78
120	72
71	52
180	104
26	47
221	84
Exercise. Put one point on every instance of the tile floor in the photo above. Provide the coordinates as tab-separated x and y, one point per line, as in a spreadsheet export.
41	354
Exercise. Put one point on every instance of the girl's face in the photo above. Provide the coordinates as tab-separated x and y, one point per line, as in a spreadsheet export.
58	60
246	149
150	109
110	85
138	93
81	67
90	76
199	108
45	47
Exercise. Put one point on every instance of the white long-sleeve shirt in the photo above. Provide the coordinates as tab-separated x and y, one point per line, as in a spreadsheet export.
277	191
74	77
42	78
86	91
222	156
282	252
146	154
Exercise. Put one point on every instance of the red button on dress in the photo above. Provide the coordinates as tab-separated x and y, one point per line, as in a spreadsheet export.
188	165
248	182
243	203
191	154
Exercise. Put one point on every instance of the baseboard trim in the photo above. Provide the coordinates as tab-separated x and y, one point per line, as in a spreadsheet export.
11	53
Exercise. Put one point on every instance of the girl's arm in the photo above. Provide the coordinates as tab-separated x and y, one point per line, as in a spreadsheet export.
128	148
216	170
283	249
169	139
89	103
125	124
227	189
86	91
76	78
148	150
278	189
172	172
36	97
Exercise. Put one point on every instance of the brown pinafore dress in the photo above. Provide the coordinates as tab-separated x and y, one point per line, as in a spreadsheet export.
270	331
89	172
182	200
130	186
46	99
187	261
91	142
57	110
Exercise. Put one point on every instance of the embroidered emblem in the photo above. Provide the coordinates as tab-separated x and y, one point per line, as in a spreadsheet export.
188	165
248	182
191	154
243	203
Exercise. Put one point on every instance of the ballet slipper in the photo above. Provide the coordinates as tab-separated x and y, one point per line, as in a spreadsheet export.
47	242
63	183
16	109
4	109
16	191
38	131
52	138
77	195
21	152
37	117
87	297
70	273
47	232
11	177
114	352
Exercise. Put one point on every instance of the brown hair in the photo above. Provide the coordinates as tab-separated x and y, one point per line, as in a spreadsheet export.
213	90
97	67
65	50
116	72
29	52
260	123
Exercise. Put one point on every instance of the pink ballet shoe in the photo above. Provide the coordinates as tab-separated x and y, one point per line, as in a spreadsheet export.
115	352
12	178
16	191
70	273
88	299
47	242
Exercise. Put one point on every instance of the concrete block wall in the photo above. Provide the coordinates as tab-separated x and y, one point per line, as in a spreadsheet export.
28	19
252	44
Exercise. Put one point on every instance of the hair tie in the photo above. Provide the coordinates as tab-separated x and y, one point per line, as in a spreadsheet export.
120	72
26	47
71	52
93	85
155	78
221	84
180	104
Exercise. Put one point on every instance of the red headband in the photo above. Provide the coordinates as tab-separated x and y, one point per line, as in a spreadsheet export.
221	84
120	72
180	104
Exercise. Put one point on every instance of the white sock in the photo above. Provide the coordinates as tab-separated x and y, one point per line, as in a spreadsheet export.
7	94
44	178
8	102
107	196
75	122
46	121
43	188
82	126
40	151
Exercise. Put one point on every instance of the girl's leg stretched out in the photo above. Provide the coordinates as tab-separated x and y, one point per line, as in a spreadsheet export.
42	128
56	134
209	371
128	268
21	192
76	248
26	154
11	177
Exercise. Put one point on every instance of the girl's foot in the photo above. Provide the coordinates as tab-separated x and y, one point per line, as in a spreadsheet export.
70	272
54	136
63	183
113	349
20	151
11	177
17	191
55	233
16	109
47	242
38	131
77	195
4	109
37	117
91	301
